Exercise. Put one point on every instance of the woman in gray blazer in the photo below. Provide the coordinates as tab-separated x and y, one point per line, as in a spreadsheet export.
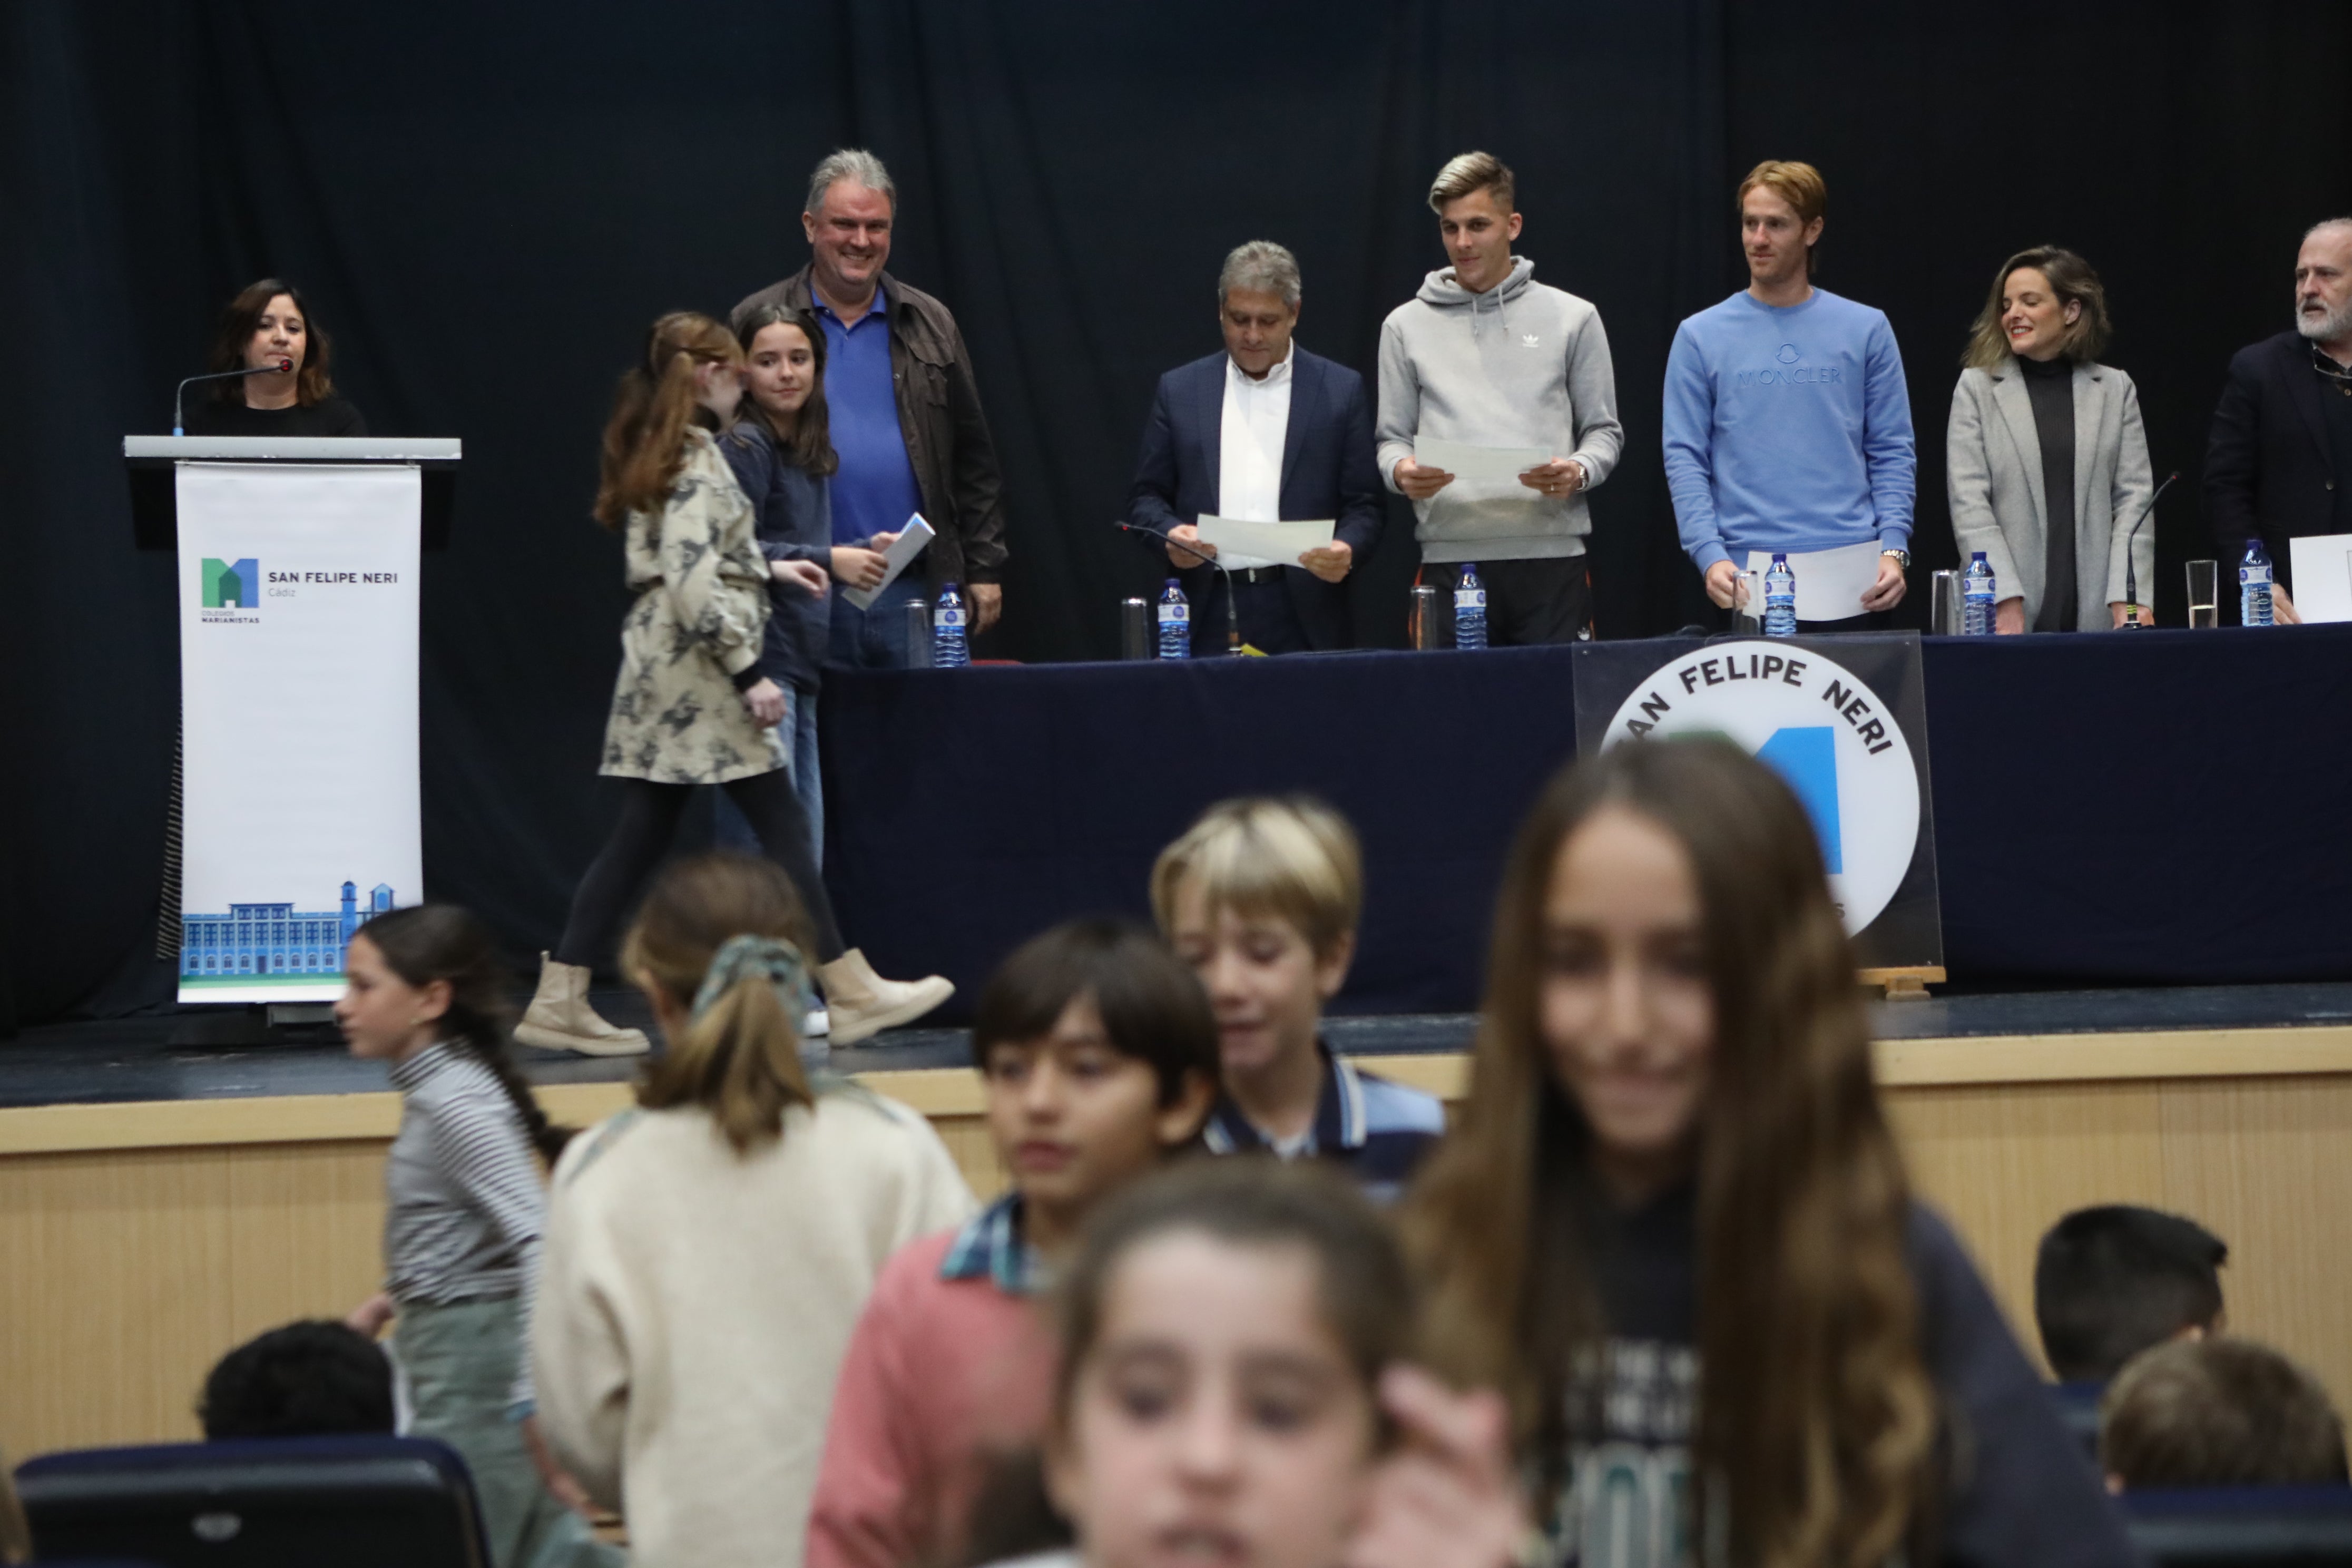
2047	461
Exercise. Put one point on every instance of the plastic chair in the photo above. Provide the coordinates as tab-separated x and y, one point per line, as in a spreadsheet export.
2243	1527
356	1502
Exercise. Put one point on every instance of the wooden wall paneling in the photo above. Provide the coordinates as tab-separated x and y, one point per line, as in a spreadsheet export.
2003	1162
2266	1164
117	1282
306	1236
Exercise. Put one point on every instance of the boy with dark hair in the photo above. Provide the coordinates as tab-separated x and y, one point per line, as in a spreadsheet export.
1097	1058
2109	1282
2219	1413
311	1379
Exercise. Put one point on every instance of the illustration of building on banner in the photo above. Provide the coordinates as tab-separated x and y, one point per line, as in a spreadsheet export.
254	940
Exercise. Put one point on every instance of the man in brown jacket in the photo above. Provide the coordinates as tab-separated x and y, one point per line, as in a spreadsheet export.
905	413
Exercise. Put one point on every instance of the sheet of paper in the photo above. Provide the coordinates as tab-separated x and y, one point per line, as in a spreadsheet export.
1479	465
909	544
1829	582
1241	545
2323	576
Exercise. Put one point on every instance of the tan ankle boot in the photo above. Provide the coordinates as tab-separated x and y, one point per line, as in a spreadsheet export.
560	1018
861	1003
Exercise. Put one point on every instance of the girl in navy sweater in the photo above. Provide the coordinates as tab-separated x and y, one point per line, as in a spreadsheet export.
1673	1228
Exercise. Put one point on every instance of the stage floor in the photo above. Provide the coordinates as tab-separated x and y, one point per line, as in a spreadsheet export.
133	1059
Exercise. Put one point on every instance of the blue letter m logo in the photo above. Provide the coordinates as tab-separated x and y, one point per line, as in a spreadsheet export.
1807	759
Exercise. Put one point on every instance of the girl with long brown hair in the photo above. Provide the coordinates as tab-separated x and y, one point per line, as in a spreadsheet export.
1673	1227
708	1252
691	706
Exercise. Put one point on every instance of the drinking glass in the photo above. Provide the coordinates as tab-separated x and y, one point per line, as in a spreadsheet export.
1424	628
1943	601
2204	596
1747	605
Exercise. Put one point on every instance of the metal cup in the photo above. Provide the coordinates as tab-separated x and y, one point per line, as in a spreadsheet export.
1747	604
1422	627
1945	604
1135	629
918	634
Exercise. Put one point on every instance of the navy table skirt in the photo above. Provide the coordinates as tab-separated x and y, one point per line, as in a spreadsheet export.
2170	806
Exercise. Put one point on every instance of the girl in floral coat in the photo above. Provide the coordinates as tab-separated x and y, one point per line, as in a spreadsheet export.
690	706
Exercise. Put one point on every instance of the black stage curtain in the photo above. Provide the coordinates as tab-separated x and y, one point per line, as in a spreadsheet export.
486	204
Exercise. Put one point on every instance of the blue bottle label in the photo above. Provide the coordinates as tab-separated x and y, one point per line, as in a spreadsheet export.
949	615
1470	598
1175	615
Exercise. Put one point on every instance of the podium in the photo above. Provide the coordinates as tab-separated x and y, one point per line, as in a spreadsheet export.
298	565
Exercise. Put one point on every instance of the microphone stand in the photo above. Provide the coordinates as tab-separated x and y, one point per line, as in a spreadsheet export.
2131	567
1233	614
178	428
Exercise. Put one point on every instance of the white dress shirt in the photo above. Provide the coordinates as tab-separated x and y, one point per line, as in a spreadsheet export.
1249	448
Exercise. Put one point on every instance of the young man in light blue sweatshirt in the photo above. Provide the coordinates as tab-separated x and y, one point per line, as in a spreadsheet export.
1485	356
1787	426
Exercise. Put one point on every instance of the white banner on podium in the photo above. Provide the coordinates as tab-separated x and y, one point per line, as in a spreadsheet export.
298	693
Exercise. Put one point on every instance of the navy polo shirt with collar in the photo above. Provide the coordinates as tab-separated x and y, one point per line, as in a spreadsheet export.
1376	1130
874	491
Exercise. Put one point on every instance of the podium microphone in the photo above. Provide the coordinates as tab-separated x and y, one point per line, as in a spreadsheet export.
2131	569
280	367
1232	615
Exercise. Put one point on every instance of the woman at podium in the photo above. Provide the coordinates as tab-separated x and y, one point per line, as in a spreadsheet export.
267	324
691	705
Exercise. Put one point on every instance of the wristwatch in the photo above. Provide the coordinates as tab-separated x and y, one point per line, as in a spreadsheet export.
1902	557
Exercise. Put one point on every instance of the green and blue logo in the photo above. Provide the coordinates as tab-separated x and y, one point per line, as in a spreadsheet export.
232	584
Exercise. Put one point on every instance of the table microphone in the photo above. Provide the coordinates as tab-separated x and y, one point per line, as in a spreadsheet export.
2131	569
1232	615
280	368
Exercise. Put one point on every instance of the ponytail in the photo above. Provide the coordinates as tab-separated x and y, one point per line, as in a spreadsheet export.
645	439
430	943
725	936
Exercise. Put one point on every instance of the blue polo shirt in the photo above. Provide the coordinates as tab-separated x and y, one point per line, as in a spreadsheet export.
874	491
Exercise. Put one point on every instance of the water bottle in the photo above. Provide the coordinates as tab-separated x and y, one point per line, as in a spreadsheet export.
1976	598
2254	584
1175	623
951	649
1780	599
1470	608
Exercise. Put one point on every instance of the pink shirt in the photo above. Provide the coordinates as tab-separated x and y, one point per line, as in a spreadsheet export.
941	1375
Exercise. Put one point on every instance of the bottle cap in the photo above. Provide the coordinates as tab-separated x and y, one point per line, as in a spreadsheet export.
1172	582
1780	558
1976	555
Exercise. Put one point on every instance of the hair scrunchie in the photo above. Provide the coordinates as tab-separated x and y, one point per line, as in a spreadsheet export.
767	958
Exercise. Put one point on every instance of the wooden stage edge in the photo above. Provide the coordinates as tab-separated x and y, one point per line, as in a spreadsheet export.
955	1091
140	1241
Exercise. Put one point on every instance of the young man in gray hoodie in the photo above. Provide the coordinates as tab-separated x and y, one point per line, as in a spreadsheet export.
1487	355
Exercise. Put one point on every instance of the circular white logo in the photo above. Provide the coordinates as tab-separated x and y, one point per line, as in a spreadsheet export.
1831	737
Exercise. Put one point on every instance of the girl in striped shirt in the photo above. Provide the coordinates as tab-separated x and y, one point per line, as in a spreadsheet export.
466	1204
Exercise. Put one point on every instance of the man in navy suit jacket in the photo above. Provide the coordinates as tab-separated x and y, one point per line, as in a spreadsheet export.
2280	461
1264	432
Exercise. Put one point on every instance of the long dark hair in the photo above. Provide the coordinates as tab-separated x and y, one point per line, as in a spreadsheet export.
810	445
426	943
312	383
1816	1424
645	440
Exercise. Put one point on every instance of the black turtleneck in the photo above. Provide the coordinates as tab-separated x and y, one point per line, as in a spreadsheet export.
2050	386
